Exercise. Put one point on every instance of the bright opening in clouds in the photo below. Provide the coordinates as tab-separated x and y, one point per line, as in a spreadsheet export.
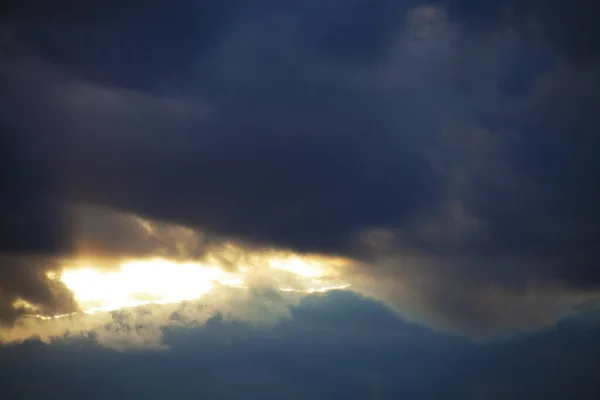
225	271
139	282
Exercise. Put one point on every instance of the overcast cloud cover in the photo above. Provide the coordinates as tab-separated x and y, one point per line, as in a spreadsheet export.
448	147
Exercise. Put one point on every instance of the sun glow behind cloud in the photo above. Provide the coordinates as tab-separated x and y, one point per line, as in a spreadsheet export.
181	273
116	298
141	282
135	283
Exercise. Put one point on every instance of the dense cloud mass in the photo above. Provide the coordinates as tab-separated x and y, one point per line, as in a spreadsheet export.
448	147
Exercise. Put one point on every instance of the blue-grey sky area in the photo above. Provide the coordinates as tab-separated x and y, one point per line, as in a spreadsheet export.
446	148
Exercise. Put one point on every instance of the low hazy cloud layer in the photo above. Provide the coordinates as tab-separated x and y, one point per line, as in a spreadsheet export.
334	346
448	147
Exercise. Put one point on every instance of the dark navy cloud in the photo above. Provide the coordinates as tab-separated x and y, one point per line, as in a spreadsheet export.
28	197
463	130
163	45
32	227
160	43
570	26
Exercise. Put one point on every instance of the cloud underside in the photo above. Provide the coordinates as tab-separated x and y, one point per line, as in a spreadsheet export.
452	159
338	345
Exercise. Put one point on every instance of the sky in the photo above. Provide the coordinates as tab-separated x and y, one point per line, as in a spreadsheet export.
363	199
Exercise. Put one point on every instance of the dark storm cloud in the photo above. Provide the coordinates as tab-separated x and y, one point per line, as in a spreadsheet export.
571	26
30	216
309	126
94	37
174	40
304	174
31	228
